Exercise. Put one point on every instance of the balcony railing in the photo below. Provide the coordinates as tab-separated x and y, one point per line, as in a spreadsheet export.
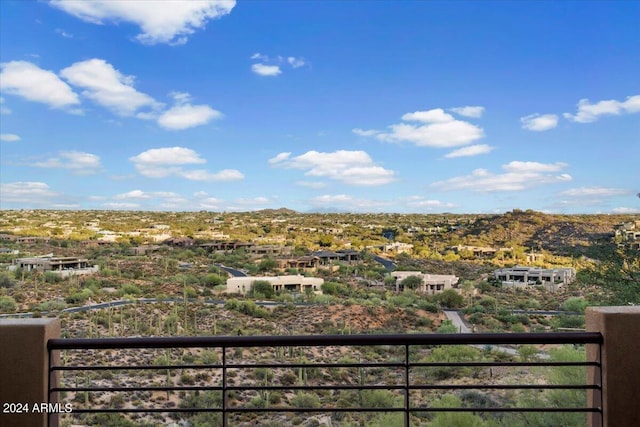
402	369
238	379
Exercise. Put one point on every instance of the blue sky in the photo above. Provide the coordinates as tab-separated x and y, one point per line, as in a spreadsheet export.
361	106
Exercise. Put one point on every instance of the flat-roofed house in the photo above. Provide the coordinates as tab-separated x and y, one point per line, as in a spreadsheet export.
62	266
289	283
520	276
306	263
431	283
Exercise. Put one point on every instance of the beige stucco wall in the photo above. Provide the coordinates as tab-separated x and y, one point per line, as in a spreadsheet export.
24	367
620	327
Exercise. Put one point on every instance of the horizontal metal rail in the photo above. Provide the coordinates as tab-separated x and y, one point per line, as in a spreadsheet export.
326	340
403	383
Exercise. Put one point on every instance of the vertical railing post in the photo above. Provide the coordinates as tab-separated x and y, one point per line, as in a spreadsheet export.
224	386
620	365
406	387
24	371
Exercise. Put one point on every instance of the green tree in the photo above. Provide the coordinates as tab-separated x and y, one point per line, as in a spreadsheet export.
575	304
411	282
263	288
267	264
450	298
325	240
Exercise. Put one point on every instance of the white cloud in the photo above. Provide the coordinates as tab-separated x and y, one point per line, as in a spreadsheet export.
260	56
169	161
588	112
362	132
34	194
134	194
163	199
260	200
517	176
187	116
537	122
266	70
31	82
625	210
9	137
471	150
271	66
183	115
203	175
64	34
279	158
210	203
350	167
168	156
296	62
27	192
77	161
427	204
437	115
533	167
161	21
595	192
106	86
347	203
469	111
437	129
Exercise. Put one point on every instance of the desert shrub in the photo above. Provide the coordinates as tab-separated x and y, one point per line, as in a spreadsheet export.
489	303
129	289
210	357
427	305
450	299
263	374
79	297
476	318
568	322
53	305
447	327
575	304
50	277
7	304
305	400
378	399
288	378
6	281
249	308
211	280
455	354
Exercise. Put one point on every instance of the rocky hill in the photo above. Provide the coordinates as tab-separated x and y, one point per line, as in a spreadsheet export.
559	234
